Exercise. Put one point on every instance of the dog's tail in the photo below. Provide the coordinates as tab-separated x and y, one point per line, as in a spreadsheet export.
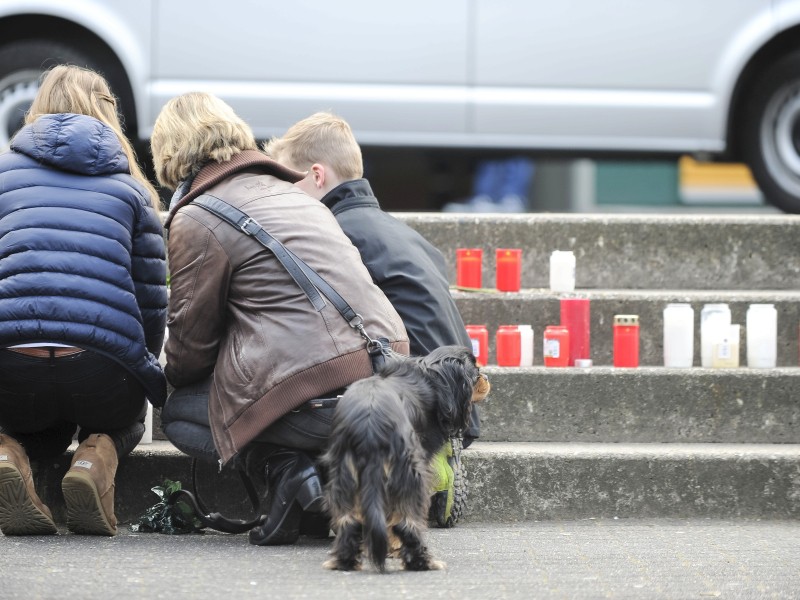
373	508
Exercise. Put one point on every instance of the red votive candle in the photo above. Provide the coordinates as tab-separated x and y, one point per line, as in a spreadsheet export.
479	336
575	317
469	265
626	340
508	345
508	269
555	346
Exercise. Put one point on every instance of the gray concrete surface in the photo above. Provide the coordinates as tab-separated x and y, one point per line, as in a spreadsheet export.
650	559
526	481
540	308
510	482
701	252
648	404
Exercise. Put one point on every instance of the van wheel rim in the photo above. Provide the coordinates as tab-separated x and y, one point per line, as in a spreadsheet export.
780	137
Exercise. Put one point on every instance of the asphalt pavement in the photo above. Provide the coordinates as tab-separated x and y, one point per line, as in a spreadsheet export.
556	559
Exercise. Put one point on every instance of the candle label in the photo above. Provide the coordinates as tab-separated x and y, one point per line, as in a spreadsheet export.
552	348
476	347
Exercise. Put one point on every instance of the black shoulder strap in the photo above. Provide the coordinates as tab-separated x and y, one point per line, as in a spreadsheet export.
311	282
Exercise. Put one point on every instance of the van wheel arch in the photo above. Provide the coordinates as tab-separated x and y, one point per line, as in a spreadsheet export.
23	60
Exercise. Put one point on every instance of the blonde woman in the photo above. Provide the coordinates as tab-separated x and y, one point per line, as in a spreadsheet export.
82	302
246	348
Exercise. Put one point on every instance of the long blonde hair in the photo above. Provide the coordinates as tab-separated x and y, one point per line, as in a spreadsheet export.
192	130
71	89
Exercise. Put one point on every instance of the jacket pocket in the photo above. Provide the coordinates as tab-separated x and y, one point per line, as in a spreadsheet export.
239	359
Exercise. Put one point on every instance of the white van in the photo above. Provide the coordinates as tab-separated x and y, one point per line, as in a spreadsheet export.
712	78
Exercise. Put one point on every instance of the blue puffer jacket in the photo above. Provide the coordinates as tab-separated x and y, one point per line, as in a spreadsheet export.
82	258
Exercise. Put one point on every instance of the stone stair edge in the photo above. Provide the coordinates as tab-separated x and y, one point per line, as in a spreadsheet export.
650	450
651	370
666	295
482	449
527	481
600	218
587	217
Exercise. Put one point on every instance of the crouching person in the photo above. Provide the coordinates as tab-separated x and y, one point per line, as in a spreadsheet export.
83	303
247	348
408	269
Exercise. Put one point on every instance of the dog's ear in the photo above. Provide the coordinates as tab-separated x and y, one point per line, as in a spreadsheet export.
455	401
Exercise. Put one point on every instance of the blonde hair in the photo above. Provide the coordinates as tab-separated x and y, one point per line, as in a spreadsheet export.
192	130
321	138
76	90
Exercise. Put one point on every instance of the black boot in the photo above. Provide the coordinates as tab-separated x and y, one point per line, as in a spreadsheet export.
294	486
315	525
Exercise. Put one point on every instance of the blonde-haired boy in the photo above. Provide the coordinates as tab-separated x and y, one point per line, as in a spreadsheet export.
409	270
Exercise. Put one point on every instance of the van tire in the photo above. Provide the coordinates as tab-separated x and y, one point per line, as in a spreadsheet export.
21	64
771	140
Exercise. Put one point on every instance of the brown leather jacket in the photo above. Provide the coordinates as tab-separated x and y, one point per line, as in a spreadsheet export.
235	312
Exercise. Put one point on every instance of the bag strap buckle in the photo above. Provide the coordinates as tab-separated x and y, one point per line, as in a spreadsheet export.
250	226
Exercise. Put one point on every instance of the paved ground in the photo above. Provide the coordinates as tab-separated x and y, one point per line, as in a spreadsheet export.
570	560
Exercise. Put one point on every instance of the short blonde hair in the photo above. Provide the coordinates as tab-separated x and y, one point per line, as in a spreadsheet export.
321	138
80	91
192	130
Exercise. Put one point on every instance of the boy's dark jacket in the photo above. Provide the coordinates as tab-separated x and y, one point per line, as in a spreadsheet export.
407	267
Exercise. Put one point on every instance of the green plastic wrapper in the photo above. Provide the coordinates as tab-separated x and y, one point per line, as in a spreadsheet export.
173	519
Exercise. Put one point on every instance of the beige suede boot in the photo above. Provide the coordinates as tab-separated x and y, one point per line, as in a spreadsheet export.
21	510
88	487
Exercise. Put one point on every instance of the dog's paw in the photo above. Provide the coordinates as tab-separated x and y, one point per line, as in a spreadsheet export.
334	565
421	564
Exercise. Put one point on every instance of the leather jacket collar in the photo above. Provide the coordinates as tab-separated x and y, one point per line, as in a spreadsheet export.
214	172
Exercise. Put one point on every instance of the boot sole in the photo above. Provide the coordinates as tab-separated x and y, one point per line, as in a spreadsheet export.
18	514
85	513
286	533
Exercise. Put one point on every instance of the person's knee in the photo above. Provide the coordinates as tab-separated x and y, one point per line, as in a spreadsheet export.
192	439
187	404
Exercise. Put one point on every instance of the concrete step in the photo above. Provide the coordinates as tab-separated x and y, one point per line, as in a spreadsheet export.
541	308
649	404
702	252
528	481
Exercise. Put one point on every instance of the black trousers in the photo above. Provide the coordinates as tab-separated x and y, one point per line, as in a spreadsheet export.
43	401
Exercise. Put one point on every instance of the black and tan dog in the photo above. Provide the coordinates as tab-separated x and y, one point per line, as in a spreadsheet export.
386	429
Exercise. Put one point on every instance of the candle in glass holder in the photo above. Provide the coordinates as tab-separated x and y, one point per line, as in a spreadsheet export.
469	266
526	345
575	317
508	346
555	346
508	269
479	336
626	340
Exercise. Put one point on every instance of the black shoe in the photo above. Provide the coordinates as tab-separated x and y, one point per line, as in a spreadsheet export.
294	487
